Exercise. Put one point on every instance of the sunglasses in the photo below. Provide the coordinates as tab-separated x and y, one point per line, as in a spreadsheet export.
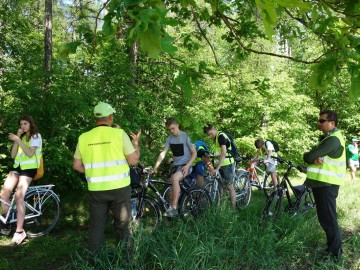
324	120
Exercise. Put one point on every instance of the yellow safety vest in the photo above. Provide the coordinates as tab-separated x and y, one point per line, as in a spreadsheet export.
102	154
217	150
332	170
24	161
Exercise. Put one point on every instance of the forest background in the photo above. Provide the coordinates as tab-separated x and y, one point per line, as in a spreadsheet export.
250	67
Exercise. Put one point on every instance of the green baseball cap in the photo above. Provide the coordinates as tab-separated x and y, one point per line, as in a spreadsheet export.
103	109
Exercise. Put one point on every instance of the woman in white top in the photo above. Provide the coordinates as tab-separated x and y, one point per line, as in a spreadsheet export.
26	151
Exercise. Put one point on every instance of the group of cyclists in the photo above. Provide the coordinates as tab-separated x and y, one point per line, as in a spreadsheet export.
185	154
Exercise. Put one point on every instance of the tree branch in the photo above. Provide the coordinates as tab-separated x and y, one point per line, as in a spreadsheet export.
237	38
205	37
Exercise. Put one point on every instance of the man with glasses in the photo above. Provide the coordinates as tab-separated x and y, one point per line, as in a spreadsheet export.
325	173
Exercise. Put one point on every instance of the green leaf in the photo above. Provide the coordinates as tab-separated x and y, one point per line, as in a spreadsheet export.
355	85
323	72
167	46
302	6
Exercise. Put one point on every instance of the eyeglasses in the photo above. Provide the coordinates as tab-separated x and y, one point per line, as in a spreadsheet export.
324	120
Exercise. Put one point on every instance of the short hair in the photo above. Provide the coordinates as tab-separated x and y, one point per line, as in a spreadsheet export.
331	115
259	143
207	128
170	121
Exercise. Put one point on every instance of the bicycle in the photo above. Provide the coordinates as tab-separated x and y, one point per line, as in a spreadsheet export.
42	209
193	201
215	186
260	178
301	201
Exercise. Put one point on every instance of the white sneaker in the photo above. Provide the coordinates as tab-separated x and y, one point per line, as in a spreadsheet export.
171	212
18	238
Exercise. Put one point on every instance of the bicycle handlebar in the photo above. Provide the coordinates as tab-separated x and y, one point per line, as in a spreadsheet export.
290	164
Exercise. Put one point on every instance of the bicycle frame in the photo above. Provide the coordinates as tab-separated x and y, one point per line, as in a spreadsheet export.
151	184
35	213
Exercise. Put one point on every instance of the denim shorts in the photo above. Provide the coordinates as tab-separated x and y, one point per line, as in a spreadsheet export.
228	173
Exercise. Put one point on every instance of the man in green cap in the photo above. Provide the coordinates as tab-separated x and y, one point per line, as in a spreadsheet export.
103	154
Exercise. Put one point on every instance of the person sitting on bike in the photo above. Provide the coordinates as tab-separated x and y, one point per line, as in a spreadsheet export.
224	162
201	162
184	154
266	150
27	152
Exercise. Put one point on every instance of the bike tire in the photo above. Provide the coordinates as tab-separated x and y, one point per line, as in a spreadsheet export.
267	185
272	208
148	215
242	187
215	190
194	202
307	202
47	204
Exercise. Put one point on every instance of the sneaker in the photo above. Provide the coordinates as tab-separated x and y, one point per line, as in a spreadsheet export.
171	212
254	183
18	238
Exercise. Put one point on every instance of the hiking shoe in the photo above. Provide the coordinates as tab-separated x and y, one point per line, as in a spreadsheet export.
171	212
18	238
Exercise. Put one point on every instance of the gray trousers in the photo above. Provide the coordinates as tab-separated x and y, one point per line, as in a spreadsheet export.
100	203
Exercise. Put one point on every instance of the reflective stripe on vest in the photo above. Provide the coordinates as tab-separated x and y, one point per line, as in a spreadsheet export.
332	170
102	155
24	161
104	164
217	150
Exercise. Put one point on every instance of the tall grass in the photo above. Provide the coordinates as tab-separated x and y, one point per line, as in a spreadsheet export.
232	239
222	239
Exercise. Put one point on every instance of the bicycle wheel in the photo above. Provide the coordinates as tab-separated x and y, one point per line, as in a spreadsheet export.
147	215
267	185
215	190
307	202
242	187
42	212
194	202
272	207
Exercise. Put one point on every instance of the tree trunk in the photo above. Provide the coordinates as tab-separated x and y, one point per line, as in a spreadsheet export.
48	41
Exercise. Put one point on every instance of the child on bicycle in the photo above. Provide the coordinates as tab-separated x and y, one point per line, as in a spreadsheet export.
27	152
184	154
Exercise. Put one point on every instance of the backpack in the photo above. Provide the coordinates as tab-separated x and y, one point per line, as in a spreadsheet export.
275	144
234	153
199	143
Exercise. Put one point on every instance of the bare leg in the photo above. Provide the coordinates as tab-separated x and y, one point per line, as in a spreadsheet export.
199	180
231	190
274	179
175	194
21	189
8	187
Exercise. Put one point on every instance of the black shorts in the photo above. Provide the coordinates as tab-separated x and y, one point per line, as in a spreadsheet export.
29	172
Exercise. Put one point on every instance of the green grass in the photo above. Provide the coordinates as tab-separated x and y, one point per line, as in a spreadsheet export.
222	239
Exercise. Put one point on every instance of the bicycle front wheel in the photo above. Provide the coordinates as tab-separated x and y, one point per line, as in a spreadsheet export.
42	212
215	190
272	207
194	203
242	187
147	216
267	185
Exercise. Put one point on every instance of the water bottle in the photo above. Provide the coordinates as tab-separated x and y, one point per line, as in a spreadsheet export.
133	208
